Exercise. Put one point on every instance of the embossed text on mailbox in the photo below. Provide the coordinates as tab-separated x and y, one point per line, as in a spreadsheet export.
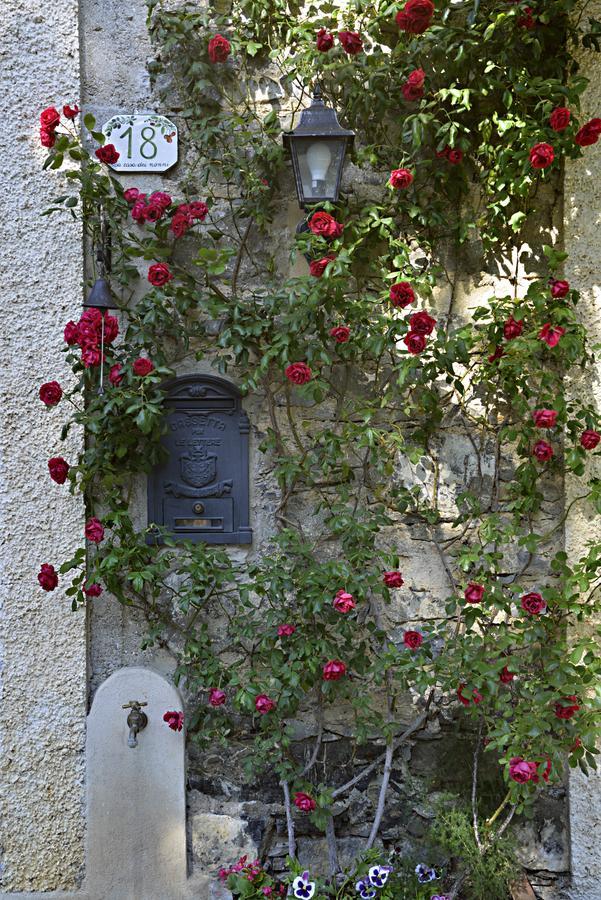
200	491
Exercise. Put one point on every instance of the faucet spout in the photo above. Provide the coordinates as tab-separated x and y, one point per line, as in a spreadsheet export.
137	721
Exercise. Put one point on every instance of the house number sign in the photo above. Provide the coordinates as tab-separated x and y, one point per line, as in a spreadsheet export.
200	491
146	143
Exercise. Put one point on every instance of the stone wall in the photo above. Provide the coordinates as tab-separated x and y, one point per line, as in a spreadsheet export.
227	815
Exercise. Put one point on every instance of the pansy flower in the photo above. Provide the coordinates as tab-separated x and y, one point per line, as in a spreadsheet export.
365	890
302	887
425	873
378	875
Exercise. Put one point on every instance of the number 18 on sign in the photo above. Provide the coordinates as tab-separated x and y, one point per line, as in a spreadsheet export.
145	143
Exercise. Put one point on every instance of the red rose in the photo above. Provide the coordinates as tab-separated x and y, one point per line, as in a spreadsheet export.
318	266
198	210
159	274
400	178
415	343
589	133
47	577
160	198
47	138
589	439
325	40
559	289
94	590
50	118
325	224
153	212
422	323
180	223
264	704
143	366
474	592
527	21
413	639
116	375
476	695
298	373
412	93
544	418
496	354
543	451
70	112
551	334
541	156
547	771
50	393
512	329
111	328
138	211
415	17
90	356
521	771
559	118
454	156
108	154
351	42
402	294
304	802
219	49
94	530
393	579
131	195
286	630
217	697
71	334
58	468
533	603
416	78
413	89
334	670
567	707
505	676
460	696
344	602
341	334
174	720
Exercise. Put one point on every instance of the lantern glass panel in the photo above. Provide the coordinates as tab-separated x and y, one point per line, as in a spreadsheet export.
319	162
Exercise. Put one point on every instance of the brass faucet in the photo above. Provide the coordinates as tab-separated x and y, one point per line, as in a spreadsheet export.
137	720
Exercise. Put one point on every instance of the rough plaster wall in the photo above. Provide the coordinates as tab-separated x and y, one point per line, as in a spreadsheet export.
42	643
582	204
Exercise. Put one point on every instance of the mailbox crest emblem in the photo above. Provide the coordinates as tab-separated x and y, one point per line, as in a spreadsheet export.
199	467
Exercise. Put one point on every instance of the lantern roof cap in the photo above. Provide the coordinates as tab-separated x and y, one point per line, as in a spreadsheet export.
100	296
318	120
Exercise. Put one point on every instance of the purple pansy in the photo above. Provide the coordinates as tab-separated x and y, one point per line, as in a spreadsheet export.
302	887
378	875
365	889
425	873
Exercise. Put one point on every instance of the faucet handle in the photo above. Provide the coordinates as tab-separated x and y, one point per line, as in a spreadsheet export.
135	704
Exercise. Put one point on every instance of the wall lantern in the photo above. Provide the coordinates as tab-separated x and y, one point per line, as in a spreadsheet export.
318	146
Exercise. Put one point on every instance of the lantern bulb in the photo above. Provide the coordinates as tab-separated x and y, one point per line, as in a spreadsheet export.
319	157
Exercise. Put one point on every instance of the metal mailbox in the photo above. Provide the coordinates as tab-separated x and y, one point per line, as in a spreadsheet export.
200	491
